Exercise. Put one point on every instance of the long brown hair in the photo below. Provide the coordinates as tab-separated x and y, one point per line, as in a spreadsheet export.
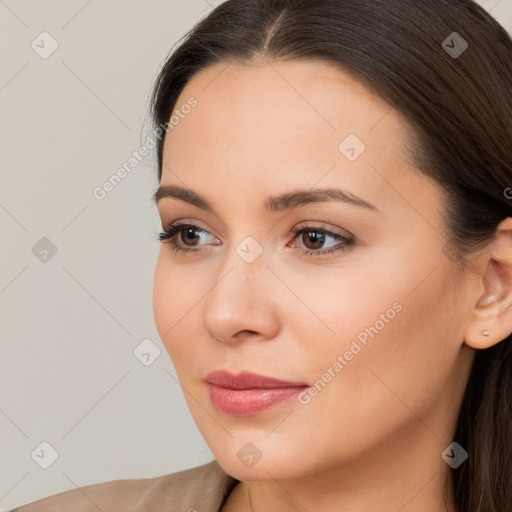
447	66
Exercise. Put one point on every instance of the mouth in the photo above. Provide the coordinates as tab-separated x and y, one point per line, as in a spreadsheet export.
247	393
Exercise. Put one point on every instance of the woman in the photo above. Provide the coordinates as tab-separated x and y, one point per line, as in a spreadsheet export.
334	285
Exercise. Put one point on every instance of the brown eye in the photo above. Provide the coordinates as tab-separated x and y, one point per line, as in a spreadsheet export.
178	234
189	235
314	240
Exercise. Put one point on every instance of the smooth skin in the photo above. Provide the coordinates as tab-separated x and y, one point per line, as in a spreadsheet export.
371	439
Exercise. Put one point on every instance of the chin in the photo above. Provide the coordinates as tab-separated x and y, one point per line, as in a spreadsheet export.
258	461
263	470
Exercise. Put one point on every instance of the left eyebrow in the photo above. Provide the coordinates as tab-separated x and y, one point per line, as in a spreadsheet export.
286	201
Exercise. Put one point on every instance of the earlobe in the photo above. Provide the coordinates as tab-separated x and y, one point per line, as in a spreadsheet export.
491	319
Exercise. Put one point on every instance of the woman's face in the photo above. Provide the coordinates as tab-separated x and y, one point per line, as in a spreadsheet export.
373	328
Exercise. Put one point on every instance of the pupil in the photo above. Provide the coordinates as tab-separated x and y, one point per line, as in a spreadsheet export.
315	238
191	234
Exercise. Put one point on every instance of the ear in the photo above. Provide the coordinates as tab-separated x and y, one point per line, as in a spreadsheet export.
491	316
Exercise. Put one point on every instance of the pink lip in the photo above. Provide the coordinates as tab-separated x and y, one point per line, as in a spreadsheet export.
247	393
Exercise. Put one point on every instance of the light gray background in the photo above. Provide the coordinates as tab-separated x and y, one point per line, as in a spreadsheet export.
69	325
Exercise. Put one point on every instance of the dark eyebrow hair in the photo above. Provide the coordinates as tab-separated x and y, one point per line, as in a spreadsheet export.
279	203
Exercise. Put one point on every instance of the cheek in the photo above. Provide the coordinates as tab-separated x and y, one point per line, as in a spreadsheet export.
331	307
162	296
391	347
393	320
174	306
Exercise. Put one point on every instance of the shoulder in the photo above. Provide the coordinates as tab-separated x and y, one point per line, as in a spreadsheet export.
201	488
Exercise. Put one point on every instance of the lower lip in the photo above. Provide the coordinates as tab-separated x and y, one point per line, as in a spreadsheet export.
247	402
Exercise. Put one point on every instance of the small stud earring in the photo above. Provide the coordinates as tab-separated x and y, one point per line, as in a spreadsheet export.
485	333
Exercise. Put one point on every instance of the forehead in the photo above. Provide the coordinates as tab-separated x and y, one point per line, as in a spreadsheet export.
258	126
271	103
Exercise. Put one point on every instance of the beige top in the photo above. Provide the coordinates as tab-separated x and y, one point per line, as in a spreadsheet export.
200	489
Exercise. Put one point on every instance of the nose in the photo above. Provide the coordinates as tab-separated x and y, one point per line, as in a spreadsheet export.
242	302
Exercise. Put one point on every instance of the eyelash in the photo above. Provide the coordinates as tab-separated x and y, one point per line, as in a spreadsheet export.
168	235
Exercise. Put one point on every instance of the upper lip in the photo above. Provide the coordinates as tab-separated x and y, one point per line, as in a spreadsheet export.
248	380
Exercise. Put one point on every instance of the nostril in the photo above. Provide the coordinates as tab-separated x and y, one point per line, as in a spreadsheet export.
247	331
